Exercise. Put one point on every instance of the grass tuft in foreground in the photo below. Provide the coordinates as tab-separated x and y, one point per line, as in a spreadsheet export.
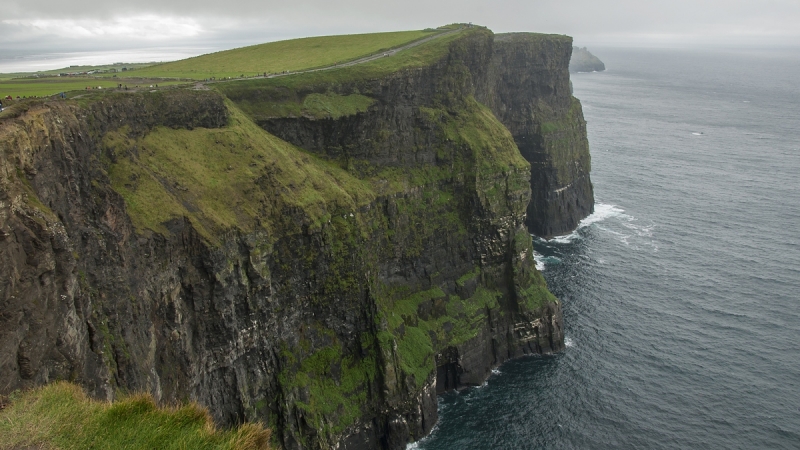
61	416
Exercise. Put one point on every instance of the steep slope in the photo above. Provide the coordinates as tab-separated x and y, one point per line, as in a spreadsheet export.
322	253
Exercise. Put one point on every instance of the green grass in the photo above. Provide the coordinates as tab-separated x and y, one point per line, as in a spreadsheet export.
535	296
415	57
335	385
273	57
469	276
73	69
61	416
317	106
418	339
291	55
416	354
238	176
45	87
492	144
564	148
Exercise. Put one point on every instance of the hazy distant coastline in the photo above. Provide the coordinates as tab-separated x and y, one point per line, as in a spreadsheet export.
15	63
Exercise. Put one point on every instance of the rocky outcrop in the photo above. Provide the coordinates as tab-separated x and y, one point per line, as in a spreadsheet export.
584	61
328	282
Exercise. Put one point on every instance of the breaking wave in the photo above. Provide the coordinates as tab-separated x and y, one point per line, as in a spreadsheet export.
602	211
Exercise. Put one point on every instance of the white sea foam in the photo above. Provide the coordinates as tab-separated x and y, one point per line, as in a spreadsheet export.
568	342
602	211
415	445
566	239
539	259
496	371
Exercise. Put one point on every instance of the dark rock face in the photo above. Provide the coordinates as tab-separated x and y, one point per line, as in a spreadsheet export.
339	332
530	94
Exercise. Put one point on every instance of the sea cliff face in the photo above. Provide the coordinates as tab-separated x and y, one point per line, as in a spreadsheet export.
530	94
324	270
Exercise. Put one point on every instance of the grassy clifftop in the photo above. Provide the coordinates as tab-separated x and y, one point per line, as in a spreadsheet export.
291	55
272	57
61	416
276	96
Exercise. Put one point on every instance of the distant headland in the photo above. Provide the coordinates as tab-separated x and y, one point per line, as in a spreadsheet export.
583	61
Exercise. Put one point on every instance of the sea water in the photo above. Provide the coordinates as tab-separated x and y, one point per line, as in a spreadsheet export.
681	293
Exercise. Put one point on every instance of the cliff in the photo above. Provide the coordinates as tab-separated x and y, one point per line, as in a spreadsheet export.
584	61
323	253
530	94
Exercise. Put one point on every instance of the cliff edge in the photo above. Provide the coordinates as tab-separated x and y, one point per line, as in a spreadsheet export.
323	253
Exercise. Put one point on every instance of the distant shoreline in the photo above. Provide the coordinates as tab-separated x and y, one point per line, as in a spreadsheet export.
40	62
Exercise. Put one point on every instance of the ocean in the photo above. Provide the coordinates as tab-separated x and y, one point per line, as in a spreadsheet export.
681	293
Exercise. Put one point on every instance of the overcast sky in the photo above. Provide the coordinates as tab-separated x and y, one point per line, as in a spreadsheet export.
198	26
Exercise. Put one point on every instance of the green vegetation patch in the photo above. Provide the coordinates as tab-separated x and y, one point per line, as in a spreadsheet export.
103	69
288	88
61	416
45	87
536	295
450	322
476	127
566	144
237	176
314	105
334	386
531	287
334	105
416	354
467	277
500	172
292	55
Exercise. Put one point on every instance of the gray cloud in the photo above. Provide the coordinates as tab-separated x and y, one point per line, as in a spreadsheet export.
48	25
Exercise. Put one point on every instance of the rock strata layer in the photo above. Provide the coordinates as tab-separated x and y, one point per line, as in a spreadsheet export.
326	274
